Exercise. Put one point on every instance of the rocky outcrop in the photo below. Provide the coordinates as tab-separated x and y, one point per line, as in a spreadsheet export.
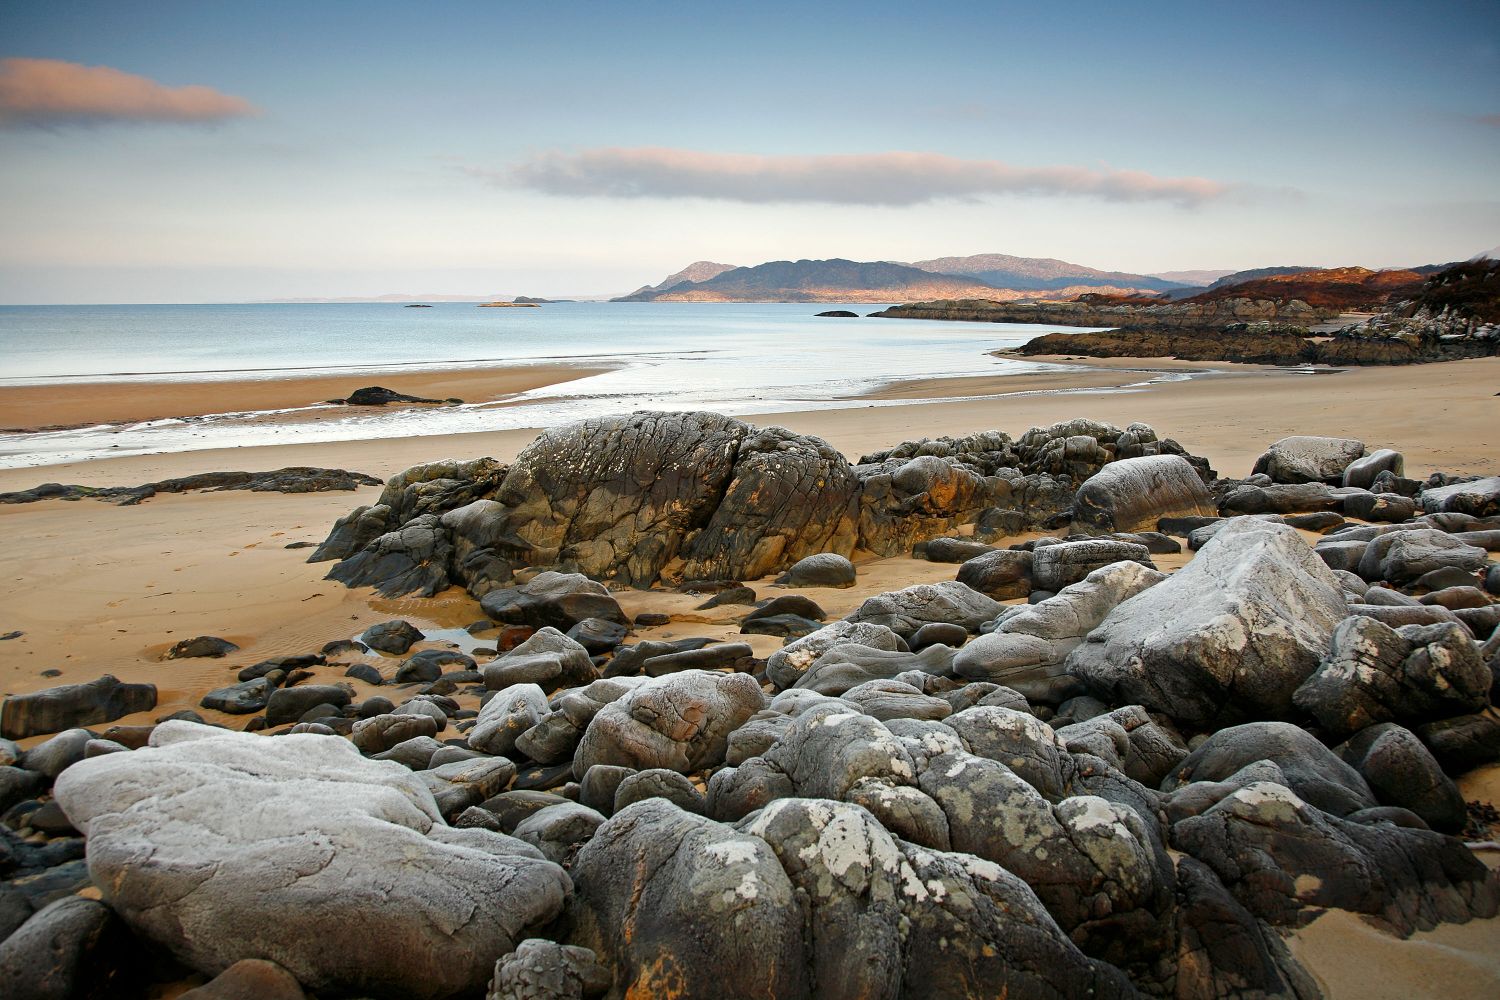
297	479
342	871
1227	638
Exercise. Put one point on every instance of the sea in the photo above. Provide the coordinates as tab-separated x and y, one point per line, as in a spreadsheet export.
741	358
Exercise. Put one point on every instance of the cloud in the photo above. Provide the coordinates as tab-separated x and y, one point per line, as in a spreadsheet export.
1491	120
889	179
53	92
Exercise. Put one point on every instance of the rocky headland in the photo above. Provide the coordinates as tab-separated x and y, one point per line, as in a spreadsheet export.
1450	315
1156	719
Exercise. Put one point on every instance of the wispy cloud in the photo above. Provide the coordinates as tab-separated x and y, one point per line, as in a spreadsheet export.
891	179
1491	120
49	92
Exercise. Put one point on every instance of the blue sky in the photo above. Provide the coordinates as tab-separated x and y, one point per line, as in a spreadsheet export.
548	149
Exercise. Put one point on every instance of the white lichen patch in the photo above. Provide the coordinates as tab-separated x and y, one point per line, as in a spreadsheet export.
732	852
1092	813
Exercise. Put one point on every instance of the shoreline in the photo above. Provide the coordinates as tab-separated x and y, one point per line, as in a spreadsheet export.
75	405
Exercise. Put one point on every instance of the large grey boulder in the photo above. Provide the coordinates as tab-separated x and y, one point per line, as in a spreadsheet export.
298	850
1309	459
1228	637
822	569
1036	639
904	611
70	949
1403	773
1404	556
680	721
1002	574
1134	493
1374	673
508	714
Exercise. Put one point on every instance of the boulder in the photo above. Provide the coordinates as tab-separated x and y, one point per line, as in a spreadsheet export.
70	949
290	704
411	559
555	600
202	646
1373	673
1134	493
905	611
343	872
1361	472
1306	766
823	569
548	659
1001	574
1404	556
1403	773
1054	567
1309	459
507	715
1035	641
681	721
698	899
395	636
72	705
786	666
1228	637
1479	497
951	550
249	979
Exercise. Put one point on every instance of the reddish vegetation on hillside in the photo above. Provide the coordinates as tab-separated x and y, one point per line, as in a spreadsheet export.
1333	288
1471	290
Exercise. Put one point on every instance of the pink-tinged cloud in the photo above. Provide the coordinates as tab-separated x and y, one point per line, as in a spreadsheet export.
54	92
1491	120
892	179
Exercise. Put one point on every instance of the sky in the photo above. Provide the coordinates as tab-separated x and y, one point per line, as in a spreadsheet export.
191	152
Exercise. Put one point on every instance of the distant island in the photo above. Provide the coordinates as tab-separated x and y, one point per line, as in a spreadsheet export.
417	305
508	305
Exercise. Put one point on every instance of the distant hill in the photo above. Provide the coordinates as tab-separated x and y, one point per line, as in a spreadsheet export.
820	281
1039	273
1240	277
1191	278
1323	288
701	270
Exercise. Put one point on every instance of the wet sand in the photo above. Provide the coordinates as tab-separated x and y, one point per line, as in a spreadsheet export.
85	404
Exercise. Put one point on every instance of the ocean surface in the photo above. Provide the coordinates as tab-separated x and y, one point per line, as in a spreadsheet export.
736	358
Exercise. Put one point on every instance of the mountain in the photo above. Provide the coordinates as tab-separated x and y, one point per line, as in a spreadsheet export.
820	281
701	270
1191	278
1240	277
1039	273
1322	288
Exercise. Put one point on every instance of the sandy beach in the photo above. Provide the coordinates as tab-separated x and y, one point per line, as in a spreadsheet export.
95	588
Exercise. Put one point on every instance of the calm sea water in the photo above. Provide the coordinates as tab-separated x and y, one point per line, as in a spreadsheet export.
739	358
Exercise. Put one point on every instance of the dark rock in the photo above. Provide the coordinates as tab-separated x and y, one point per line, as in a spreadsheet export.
338	647
1362	471
940	634
1445	577
651	619
1054	567
290	704
428	665
729	596
558	600
658	783
839	314
1311	770
1003	574
239	699
1465	742
822	569
392	637
786	626
203	645
365	672
1320	521
102	700
1402	773
18	785
1136	493
598	635
549	659
950	550
375	395
1373	673
72	948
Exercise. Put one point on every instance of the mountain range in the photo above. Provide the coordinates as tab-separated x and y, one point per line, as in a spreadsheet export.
991	276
